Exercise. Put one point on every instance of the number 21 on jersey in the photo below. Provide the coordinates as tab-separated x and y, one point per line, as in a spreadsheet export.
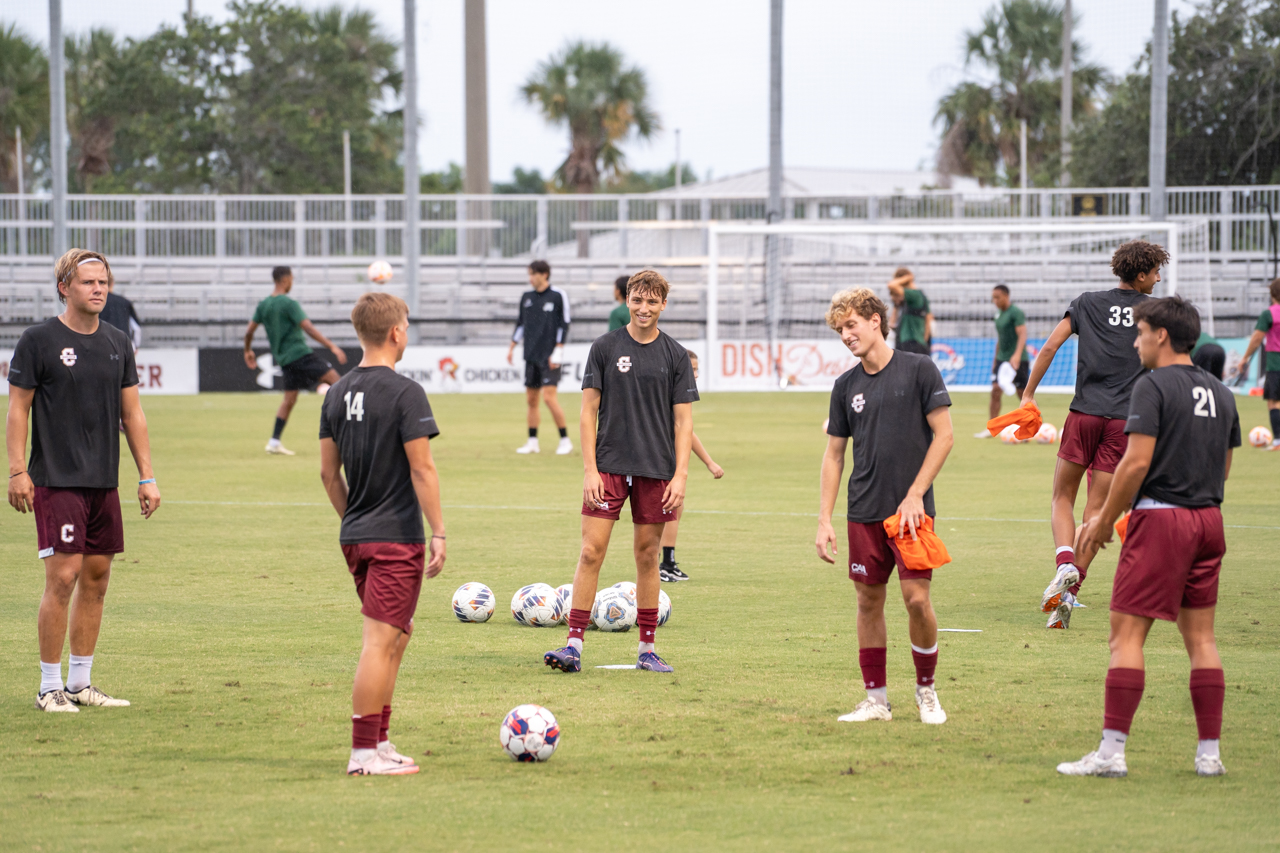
1121	316
1206	405
355	404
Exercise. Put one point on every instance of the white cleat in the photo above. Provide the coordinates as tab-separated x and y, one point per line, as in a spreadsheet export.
1066	577
91	695
1091	765
530	446
1060	617
565	447
55	701
275	448
387	750
930	708
379	765
982	433
866	710
1210	765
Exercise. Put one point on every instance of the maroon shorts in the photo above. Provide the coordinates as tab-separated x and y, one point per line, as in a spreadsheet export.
1170	559
1093	441
388	579
645	494
78	521
872	556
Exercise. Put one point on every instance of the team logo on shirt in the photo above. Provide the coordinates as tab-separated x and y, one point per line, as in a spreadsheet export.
859	402
548	307
624	363
68	356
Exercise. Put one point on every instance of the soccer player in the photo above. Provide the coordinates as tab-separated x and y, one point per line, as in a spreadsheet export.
1011	349
669	570
894	406
1182	428
285	321
120	313
619	316
915	325
543	326
376	425
1208	355
1267	334
1093	437
75	376
637	428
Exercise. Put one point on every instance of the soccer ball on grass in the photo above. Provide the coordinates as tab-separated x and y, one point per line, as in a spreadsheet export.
628	589
1048	434
529	733
564	594
536	605
613	611
1260	436
473	602
664	607
1008	436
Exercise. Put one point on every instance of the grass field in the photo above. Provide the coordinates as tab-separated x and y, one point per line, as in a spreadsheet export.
234	629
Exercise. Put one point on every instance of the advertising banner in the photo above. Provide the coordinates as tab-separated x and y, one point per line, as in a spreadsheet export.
160	371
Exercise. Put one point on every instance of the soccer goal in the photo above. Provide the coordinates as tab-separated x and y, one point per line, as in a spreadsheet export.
760	336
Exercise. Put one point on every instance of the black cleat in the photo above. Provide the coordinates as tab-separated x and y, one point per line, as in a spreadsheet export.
670	573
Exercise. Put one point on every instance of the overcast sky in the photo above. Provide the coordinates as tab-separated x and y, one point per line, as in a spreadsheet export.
862	78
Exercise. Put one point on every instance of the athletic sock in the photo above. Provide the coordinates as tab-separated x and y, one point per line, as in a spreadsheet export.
279	430
385	725
1066	554
872	662
1275	423
1208	688
1112	743
647	622
363	755
1209	748
578	621
78	672
926	664
668	554
564	432
50	677
1123	693
533	432
880	694
364	731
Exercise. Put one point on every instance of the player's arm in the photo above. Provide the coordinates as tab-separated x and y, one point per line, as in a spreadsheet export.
911	512
249	358
1045	358
701	453
928	327
829	490
518	335
592	485
335	486
426	485
1255	341
1125	483
562	333
1016	359
898	286
673	494
310	329
134	421
22	492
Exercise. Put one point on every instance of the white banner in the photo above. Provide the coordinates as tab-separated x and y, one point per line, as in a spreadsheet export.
160	371
806	365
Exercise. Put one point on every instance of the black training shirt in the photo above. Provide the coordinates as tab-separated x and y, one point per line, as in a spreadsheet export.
885	415
370	414
120	313
638	383
1194	420
1107	365
543	322
75	413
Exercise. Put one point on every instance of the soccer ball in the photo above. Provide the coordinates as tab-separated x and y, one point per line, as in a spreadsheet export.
529	733
564	595
379	272
613	611
1048	434
1007	435
473	602
1260	436
664	607
536	605
628	589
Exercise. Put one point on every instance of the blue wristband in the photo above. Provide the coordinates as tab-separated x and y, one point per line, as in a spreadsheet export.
145	482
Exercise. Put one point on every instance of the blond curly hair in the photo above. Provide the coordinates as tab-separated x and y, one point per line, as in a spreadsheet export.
860	301
68	266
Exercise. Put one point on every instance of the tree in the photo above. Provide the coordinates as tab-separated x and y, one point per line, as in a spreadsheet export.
647	182
524	182
1018	53
24	101
448	181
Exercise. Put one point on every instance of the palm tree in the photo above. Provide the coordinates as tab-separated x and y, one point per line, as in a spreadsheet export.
586	87
93	107
1019	47
24	99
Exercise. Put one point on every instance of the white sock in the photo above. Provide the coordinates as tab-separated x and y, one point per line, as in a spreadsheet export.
78	672
50	677
879	694
274	442
645	647
1112	743
362	755
1207	747
576	644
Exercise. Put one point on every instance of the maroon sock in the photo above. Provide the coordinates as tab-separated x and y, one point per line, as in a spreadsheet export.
364	731
578	621
872	662
1066	556
926	665
1208	687
647	622
1124	692
385	726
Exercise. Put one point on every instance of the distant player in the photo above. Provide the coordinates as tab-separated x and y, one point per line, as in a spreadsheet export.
120	313
1182	428
914	323
1011	349
75	376
894	406
1209	356
285	321
637	428
1267	334
619	316
1093	437
669	570
376	425
543	325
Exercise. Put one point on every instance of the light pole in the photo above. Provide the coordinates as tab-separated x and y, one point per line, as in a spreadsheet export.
773	266
411	236
1159	110
1067	92
58	128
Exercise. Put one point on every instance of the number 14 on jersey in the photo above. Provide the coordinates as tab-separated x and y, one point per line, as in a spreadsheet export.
355	405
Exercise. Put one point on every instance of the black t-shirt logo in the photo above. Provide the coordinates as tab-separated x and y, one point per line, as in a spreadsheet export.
624	363
68	356
859	403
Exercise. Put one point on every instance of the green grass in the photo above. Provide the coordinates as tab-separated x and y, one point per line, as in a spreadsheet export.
234	629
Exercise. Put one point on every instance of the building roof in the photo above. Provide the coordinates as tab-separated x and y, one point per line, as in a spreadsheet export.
811	181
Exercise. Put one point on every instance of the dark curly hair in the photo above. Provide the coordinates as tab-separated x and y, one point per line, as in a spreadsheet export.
1137	257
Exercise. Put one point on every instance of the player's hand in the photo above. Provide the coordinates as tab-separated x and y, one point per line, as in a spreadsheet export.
716	470
911	515
826	542
250	359
22	493
511	352
593	489
148	498
673	494
436	562
1242	369
1027	400
1093	535
338	354
1015	362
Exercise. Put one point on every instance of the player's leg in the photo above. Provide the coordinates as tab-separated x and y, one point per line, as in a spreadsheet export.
381	648
330	376
1066	487
647	544
1096	491
61	571
922	625
1273	412
85	623
287	403
873	641
586	577
669	569
551	397
1208	686
532	416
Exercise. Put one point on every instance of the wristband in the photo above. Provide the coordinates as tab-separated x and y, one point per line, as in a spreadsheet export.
145	482
433	536
11	476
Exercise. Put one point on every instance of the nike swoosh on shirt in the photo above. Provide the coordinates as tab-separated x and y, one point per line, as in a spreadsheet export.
424	420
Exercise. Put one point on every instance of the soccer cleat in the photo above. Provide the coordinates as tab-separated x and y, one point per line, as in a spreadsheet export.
651	662
565	447
1210	765
387	750
565	660
1066	577
277	449
378	764
55	701
1061	616
670	573
90	695
1076	604
982	433
930	709
1275	445
866	710
1091	765
530	446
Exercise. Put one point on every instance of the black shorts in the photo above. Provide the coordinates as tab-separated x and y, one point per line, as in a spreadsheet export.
538	374
1019	378
1271	386
915	347
305	372
1210	358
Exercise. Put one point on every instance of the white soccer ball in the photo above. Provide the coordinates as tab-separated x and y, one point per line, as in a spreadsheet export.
564	594
529	733
379	272
1048	434
613	611
536	605
664	607
1007	435
628	589
1260	436
473	602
